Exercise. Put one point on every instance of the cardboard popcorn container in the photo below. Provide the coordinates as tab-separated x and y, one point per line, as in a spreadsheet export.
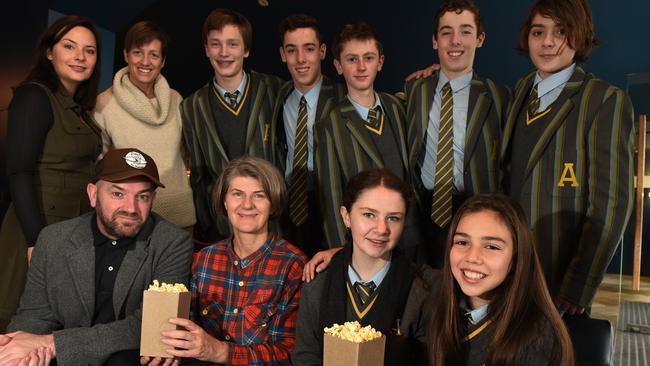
350	344
157	308
341	352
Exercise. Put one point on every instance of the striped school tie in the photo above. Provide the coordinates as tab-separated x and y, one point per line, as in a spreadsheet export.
298	188
364	290
444	177
375	122
533	106
232	98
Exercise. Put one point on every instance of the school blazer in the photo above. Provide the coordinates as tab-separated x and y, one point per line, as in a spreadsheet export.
330	95
487	107
577	186
343	149
206	149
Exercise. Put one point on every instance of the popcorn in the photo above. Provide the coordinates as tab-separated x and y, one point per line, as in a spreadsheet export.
167	287
353	332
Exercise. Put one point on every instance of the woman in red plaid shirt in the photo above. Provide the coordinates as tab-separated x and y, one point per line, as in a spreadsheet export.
245	288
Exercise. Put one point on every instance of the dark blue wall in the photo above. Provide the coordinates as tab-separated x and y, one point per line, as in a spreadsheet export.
405	28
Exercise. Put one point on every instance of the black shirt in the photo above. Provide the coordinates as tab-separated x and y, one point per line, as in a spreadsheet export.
30	119
109	255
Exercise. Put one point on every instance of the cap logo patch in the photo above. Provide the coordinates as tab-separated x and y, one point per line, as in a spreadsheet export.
135	160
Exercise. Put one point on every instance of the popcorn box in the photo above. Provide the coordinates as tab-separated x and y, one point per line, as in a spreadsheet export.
157	308
340	352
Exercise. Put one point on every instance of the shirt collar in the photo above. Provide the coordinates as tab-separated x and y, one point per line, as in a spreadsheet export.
457	84
477	314
240	87
553	81
377	278
311	96
263	251
363	111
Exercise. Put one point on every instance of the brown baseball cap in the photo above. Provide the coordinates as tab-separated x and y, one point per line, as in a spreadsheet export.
121	164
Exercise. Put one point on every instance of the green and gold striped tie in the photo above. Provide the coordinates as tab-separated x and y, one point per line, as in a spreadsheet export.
364	290
375	120
298	188
232	98
533	105
444	177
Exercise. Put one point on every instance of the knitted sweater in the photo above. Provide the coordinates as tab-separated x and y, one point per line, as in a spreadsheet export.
129	119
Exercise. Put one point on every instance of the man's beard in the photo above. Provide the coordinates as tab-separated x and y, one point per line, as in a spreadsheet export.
119	229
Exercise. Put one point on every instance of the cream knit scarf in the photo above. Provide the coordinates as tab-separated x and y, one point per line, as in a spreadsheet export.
136	103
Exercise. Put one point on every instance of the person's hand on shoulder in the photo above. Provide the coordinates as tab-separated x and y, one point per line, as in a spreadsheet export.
318	263
426	72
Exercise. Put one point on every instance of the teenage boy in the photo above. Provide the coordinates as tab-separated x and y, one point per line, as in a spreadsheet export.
228	117
366	130
308	97
454	120
568	147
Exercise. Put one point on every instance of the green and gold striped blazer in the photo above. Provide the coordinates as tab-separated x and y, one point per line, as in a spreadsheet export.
344	149
577	185
206	149
487	107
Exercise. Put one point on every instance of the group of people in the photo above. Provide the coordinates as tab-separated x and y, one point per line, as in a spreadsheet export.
518	200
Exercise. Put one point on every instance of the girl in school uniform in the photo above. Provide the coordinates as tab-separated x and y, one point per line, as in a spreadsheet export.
369	280
492	306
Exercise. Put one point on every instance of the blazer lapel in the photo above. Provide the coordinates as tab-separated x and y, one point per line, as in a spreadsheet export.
421	115
395	118
258	91
428	93
81	262
561	107
278	137
520	96
354	123
477	112
207	121
326	99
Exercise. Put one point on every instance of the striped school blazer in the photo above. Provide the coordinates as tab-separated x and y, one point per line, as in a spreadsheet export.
577	185
487	108
343	149
207	151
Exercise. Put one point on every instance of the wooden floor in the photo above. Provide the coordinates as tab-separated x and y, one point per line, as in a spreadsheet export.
614	289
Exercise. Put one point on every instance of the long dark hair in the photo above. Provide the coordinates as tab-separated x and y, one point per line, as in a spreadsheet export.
43	72
521	308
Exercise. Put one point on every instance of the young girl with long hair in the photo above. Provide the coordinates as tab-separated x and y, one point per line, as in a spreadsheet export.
493	307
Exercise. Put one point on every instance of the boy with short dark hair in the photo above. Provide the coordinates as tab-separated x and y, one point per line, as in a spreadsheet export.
454	121
302	101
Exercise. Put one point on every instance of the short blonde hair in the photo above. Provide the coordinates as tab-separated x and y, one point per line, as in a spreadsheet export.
269	176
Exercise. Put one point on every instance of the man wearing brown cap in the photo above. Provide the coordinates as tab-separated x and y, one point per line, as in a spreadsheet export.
82	300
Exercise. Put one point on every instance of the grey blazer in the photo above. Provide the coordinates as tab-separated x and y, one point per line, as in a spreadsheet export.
59	295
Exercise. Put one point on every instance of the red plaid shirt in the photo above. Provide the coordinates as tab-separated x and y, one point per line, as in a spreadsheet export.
250	303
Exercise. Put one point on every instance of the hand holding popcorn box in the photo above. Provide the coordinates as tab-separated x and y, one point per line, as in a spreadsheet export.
352	345
161	302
